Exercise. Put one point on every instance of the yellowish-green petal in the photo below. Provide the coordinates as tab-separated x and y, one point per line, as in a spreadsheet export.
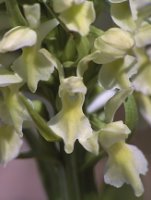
113	44
112	133
34	66
125	164
79	17
10	144
118	38
61	5
71	123
32	14
144	103
121	15
11	109
143	35
114	75
142	80
16	38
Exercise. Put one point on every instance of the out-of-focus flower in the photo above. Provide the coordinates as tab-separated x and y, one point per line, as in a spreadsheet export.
113	44
34	64
144	102
125	162
12	116
77	15
130	15
141	81
110	49
12	111
10	143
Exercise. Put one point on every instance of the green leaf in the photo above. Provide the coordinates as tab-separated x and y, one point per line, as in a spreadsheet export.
131	112
40	123
70	50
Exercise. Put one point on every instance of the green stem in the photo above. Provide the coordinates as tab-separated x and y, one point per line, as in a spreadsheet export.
51	170
15	14
72	176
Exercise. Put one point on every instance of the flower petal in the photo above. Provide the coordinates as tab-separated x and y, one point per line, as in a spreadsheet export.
8	78
33	68
71	123
32	14
143	36
123	166
113	75
61	5
91	144
112	133
111	45
17	38
10	144
121	15
139	159
142	80
79	17
11	109
144	103
118	38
